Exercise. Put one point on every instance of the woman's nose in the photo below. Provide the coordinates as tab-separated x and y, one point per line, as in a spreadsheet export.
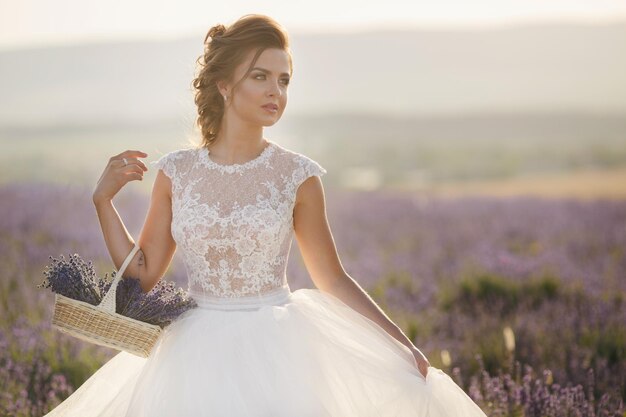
275	89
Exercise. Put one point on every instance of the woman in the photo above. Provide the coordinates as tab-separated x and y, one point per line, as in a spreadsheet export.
252	347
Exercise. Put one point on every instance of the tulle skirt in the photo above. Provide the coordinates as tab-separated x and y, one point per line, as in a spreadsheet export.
286	354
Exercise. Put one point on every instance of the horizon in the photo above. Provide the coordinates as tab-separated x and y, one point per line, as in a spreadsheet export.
521	24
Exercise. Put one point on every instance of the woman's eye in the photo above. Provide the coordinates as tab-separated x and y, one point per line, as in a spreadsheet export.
285	80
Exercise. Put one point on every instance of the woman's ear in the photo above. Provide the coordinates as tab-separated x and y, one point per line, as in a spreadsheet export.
222	87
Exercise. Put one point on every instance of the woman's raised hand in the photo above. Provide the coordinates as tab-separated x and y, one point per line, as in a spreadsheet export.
122	168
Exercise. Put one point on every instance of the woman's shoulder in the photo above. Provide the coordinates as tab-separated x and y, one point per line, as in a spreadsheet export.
168	161
295	156
177	153
299	161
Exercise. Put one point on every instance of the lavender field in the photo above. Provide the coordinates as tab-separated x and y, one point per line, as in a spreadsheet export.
521	300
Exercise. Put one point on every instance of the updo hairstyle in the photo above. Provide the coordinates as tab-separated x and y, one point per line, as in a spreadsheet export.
225	48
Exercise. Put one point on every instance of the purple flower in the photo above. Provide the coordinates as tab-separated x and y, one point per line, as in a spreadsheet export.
77	279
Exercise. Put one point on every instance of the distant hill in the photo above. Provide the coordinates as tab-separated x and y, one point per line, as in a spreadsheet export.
539	68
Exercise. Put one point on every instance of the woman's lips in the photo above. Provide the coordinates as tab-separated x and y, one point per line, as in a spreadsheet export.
270	108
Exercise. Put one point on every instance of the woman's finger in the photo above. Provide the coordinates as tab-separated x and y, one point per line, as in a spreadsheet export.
132	161
130	168
130	153
134	176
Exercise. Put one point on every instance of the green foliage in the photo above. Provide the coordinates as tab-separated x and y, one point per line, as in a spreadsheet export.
608	343
498	294
490	346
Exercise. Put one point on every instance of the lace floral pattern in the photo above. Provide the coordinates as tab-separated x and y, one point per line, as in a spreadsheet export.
234	223
263	158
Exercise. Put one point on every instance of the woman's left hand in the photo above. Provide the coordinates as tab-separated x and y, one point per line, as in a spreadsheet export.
422	362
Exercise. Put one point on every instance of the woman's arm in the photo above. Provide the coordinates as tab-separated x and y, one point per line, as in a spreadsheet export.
322	261
157	246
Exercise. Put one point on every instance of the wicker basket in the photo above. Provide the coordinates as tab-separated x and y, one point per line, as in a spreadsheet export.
101	324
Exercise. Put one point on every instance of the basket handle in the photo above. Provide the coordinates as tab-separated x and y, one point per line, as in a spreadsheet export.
108	301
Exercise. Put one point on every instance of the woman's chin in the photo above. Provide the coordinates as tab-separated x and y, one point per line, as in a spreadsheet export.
270	122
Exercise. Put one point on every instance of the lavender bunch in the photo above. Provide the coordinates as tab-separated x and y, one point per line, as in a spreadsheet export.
160	306
77	279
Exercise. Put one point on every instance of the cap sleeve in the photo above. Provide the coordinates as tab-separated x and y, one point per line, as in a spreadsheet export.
313	168
307	168
166	163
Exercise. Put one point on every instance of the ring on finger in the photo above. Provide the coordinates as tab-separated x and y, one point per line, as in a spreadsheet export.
125	161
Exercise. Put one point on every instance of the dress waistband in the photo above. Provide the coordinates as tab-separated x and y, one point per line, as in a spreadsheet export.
278	296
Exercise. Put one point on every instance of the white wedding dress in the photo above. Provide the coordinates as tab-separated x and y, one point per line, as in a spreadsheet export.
253	347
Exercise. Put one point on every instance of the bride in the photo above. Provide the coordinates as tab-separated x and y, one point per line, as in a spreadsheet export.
232	205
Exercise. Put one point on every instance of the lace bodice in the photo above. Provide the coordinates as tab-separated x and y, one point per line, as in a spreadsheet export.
234	223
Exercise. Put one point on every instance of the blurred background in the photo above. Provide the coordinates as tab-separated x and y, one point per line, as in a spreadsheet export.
490	97
476	185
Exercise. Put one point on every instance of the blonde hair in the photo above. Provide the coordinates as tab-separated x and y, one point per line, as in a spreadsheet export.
226	50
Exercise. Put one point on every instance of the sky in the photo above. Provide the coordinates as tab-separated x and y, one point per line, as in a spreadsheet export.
27	23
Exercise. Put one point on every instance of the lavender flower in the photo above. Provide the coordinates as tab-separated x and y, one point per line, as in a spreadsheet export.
532	396
160	306
409	251
77	279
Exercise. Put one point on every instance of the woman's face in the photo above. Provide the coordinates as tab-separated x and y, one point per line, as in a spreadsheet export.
266	84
